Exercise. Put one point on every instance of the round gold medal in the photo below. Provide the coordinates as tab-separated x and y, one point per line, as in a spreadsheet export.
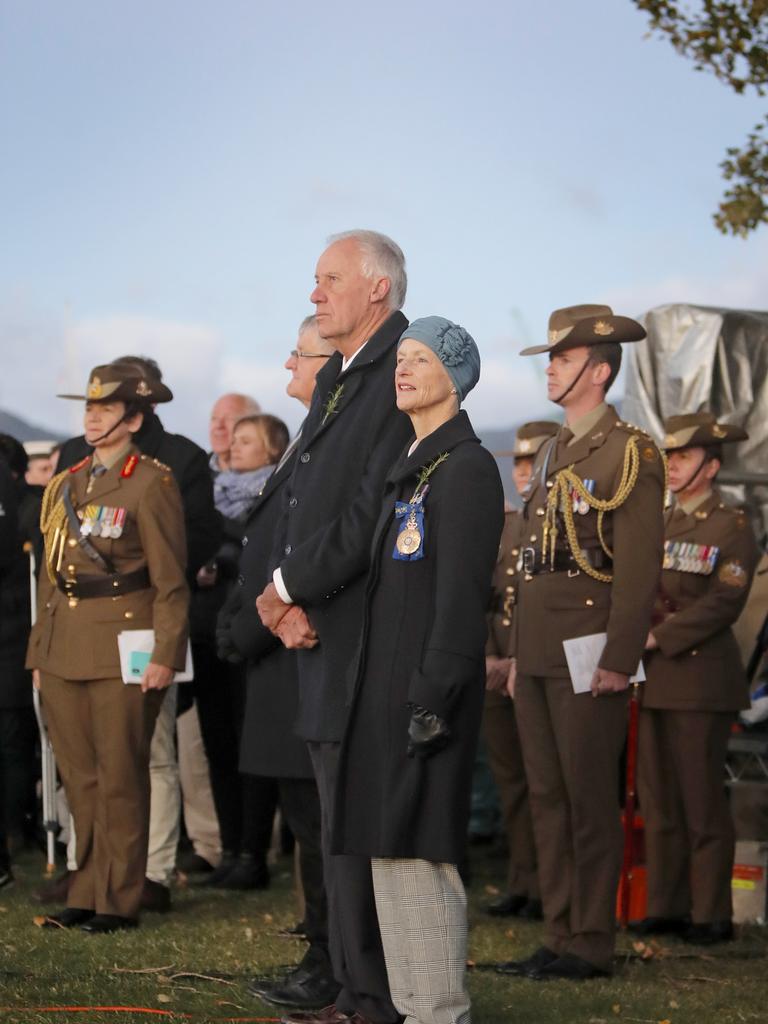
408	541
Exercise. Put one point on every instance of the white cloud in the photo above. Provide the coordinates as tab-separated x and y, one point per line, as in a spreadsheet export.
46	356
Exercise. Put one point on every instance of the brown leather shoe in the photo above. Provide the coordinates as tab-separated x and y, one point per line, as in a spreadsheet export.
328	1015
54	891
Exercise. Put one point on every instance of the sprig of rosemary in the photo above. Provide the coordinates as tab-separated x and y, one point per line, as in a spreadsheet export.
426	472
331	406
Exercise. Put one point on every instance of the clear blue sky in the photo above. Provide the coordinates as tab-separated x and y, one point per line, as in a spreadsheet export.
171	169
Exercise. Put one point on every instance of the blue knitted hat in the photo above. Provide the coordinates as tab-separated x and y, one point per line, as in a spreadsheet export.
453	346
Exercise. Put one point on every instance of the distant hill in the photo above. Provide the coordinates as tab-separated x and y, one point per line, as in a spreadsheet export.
23	431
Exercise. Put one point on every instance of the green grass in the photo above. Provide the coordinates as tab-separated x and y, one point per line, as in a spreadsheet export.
196	960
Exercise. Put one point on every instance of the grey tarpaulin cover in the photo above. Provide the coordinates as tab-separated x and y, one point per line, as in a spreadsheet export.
701	358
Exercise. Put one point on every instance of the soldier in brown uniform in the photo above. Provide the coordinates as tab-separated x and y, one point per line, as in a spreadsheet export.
696	685
591	562
115	555
522	898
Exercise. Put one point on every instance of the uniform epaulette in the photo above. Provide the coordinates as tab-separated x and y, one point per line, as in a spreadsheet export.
731	510
156	463
633	428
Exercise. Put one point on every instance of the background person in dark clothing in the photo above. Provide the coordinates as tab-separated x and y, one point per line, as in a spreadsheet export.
219	687
351	437
247	802
19	519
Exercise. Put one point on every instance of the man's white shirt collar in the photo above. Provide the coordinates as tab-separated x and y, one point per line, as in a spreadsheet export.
346	363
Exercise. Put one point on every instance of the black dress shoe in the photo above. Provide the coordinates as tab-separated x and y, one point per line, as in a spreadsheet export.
521	968
219	874
507	906
709	934
248	872
68	918
155	897
105	924
302	990
569	967
660	926
532	911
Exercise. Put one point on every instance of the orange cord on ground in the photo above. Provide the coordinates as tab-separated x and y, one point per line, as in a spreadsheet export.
137	1009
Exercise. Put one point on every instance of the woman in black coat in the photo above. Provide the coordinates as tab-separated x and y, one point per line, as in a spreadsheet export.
406	769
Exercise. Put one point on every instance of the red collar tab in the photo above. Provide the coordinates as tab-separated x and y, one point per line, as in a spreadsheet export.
80	464
128	467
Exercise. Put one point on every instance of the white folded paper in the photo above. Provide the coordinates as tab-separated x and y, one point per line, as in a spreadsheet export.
136	646
583	655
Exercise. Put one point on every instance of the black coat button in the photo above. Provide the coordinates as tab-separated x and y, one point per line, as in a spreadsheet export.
241	579
288	549
306	457
293	502
245	541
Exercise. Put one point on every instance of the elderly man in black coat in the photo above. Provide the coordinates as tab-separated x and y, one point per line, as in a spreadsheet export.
352	435
269	746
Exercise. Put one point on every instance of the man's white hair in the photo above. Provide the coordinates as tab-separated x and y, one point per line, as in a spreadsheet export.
381	258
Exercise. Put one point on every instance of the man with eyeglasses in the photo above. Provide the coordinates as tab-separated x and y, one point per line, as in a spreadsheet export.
269	747
304	360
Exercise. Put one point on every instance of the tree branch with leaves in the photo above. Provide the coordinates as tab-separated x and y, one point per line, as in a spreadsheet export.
729	39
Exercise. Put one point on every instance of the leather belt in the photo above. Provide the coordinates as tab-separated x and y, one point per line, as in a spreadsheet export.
114	585
533	562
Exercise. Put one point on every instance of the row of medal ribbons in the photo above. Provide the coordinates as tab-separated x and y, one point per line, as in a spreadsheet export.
102	521
578	503
681	556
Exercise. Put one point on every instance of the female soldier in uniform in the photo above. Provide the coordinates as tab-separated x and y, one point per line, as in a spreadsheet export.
695	685
115	554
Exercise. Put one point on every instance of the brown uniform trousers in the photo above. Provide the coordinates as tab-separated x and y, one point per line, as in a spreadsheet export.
695	686
100	727
572	742
502	739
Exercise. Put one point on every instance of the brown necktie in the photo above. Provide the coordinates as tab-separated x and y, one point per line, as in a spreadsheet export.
564	437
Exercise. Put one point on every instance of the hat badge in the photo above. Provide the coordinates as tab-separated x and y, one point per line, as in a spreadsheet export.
718	431
94	388
525	445
602	328
143	389
670	441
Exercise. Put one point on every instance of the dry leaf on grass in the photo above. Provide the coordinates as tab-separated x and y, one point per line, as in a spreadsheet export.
649	950
163	997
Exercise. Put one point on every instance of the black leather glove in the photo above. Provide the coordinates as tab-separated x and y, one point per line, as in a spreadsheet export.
427	732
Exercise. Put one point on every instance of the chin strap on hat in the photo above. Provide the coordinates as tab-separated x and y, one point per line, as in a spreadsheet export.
573	383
